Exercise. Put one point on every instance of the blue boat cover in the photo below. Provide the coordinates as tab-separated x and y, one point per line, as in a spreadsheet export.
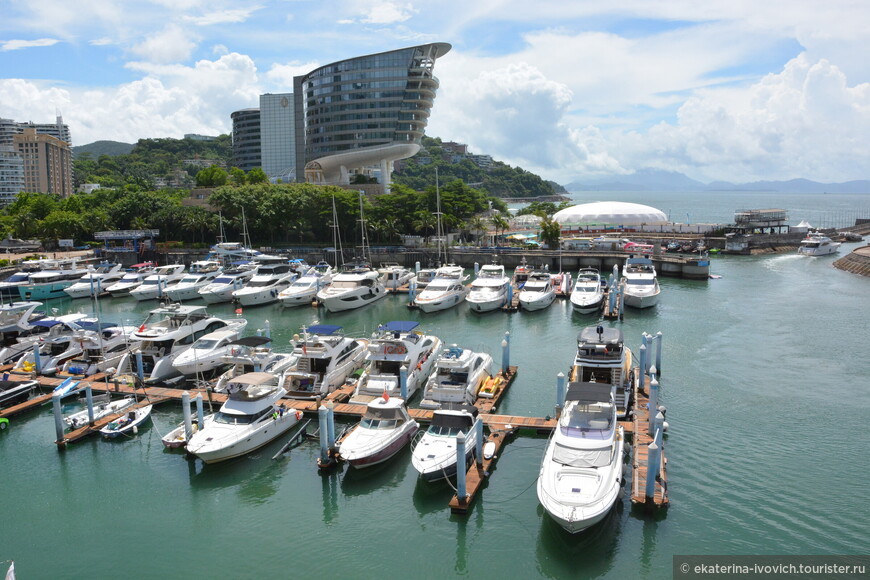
46	323
401	325
323	328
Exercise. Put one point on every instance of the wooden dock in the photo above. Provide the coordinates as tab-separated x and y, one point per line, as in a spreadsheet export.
617	312
478	472
639	454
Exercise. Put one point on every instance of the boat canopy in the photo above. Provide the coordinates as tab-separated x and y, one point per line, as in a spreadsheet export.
385	412
47	323
589	392
251	341
401	325
323	329
608	335
638	262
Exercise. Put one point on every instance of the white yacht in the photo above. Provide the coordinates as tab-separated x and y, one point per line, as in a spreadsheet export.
537	292
16	321
489	291
395	346
56	346
96	281
50	283
252	354
581	473
103	345
208	352
201	274
818	244
587	296
445	290
325	360
459	373
384	430
133	277
304	289
9	286
353	288
222	287
434	454
394	276
603	357
424	276
154	285
249	419
641	288
264	286
167	332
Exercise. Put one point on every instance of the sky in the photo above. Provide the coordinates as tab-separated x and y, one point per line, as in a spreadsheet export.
732	90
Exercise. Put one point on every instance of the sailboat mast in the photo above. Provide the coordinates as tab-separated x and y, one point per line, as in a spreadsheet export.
438	220
336	237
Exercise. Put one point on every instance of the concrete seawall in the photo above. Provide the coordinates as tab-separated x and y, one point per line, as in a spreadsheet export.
857	262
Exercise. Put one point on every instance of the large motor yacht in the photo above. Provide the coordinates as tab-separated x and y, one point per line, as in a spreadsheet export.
249	419
154	285
434	454
133	277
222	287
201	274
304	289
581	473
51	283
459	373
355	287
602	357
384	430
641	284
264	287
818	244
208	352
587	296
445	290
489	291
325	360
537	292
96	281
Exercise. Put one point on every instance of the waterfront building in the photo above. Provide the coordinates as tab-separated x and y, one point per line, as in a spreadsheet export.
278	136
11	174
47	162
246	139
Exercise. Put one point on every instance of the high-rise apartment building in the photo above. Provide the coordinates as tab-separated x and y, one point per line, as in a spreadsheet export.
47	162
246	139
278	136
11	174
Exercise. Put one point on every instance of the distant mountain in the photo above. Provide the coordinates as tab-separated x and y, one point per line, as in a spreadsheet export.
658	180
97	148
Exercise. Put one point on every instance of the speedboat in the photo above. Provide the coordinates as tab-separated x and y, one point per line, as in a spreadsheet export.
222	287
208	352
128	423
304	289
445	290
14	392
394	276
537	292
16	320
641	284
353	288
396	346
167	332
434	454
459	373
50	283
489	291
133	277
602	357
103	345
249	419
384	430
104	409
818	244
96	281
264	286
153	286
251	354
201	274
587	296
581	473
325	360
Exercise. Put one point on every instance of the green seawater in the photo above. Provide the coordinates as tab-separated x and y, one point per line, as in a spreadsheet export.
764	375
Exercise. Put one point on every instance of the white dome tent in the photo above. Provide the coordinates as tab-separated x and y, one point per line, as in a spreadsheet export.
609	215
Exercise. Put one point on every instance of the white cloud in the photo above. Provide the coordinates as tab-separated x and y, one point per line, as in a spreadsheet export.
172	44
388	13
19	44
281	75
228	16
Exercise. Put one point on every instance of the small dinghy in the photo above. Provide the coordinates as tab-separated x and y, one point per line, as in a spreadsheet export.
127	424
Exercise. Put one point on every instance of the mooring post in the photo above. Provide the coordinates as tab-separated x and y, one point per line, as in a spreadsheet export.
37	361
461	492
476	269
267	331
185	409
140	368
560	392
412	290
659	351
330	424
324	445
417	267
510	295
478	446
505	356
89	396
653	463
58	418
200	412
642	366
403	383
659	429
653	405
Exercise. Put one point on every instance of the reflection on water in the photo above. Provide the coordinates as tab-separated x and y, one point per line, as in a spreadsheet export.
329	482
254	476
387	475
431	496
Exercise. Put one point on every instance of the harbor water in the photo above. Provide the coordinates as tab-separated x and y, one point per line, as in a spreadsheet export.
765	379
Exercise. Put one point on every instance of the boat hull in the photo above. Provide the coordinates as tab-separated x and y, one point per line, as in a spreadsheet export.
247	441
384	453
641	301
44	291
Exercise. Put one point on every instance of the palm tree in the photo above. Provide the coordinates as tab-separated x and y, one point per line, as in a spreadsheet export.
500	223
477	226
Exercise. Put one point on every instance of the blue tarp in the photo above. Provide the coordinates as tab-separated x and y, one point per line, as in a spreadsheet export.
401	325
323	328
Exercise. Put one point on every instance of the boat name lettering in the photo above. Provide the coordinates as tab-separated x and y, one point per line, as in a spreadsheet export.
394	349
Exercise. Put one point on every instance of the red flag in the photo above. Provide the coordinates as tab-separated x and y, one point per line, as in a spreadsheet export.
142	328
386	395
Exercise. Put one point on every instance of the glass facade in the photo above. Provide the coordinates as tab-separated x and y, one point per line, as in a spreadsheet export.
246	139
278	136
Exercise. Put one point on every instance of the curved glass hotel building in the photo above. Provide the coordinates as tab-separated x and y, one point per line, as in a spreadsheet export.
364	111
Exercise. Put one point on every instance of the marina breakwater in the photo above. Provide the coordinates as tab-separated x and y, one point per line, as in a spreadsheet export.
856	262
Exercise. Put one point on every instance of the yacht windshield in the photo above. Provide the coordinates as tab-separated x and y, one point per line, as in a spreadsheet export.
205	344
370	423
642	281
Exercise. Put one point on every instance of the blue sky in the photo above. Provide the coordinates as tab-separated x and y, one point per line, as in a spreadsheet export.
719	90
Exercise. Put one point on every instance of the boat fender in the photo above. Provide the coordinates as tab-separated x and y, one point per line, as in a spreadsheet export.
489	450
298	415
4	422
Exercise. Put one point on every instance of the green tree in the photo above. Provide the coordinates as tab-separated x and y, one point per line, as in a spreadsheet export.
212	176
257	175
237	176
551	232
